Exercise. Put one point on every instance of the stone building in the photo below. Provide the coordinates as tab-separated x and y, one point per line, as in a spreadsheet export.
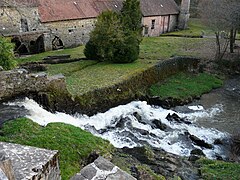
159	16
41	25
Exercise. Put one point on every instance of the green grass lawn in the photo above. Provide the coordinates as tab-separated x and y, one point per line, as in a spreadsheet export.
87	75
219	170
184	86
74	52
195	28
72	143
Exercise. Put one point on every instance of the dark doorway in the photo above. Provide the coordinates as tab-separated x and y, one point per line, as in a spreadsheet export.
57	43
20	47
40	44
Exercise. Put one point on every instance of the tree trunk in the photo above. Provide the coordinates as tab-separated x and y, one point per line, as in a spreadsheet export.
232	41
218	51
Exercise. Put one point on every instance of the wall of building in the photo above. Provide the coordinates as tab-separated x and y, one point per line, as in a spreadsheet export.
72	32
10	19
156	25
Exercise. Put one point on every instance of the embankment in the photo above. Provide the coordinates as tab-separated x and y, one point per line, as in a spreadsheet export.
52	93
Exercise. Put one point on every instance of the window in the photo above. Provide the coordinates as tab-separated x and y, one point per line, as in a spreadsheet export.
153	24
70	31
24	25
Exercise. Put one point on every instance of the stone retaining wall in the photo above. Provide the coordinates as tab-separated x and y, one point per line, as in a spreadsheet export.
31	163
20	82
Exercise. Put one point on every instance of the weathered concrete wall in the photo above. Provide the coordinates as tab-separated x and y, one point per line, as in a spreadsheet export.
162	24
20	82
72	32
32	163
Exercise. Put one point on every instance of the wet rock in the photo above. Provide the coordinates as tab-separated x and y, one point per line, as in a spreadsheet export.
218	157
197	152
200	142
91	158
137	116
143	132
134	172
121	122
176	118
193	158
158	124
218	142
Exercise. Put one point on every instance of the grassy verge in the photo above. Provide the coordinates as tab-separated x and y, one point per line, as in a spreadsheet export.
72	143
219	170
183	86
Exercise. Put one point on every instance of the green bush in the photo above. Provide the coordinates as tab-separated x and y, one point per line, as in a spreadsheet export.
107	33
128	51
6	54
116	37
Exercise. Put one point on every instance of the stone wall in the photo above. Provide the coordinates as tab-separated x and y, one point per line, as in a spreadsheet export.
10	19
162	24
72	32
31	163
100	100
20	82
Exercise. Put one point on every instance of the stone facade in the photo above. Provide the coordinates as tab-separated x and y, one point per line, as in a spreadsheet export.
73	32
156	25
32	163
19	19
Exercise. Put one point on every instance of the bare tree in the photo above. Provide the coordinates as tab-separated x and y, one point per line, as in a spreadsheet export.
223	17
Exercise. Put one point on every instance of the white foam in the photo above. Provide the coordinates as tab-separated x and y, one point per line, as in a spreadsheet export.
129	136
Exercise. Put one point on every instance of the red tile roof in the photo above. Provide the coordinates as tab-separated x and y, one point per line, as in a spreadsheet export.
158	7
59	10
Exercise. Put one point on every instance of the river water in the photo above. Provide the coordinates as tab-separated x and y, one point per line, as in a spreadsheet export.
215	116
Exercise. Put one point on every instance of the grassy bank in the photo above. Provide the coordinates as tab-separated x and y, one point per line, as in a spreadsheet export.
219	170
183	86
73	144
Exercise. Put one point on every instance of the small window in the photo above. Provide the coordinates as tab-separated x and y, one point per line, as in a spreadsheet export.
70	30
24	25
153	24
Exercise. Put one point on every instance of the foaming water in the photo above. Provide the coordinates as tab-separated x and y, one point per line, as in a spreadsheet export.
133	125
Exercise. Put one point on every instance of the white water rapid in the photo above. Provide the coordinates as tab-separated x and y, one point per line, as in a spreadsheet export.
132	125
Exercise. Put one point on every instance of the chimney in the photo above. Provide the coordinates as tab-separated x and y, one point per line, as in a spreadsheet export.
184	14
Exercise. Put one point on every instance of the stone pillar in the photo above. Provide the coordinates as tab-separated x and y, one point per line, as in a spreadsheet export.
47	38
184	14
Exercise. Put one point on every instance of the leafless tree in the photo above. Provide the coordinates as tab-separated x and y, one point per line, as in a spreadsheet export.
223	17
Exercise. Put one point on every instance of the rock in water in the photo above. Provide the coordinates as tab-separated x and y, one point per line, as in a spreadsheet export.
158	124
200	142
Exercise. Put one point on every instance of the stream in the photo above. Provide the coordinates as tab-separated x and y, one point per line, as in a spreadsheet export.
214	117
